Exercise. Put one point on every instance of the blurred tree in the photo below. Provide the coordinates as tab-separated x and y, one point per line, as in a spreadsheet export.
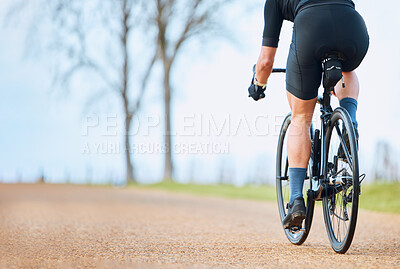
386	162
177	22
260	171
82	34
227	172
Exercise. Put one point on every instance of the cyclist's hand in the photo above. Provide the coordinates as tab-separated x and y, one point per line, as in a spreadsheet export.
255	91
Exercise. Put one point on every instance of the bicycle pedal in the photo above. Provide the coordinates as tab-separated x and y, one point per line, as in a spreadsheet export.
295	229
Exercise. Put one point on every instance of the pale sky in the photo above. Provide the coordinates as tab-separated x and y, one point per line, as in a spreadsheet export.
45	131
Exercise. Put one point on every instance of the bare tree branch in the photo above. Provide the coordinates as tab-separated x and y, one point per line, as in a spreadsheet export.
72	22
143	87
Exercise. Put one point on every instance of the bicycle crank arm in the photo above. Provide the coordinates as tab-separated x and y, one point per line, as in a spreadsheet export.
321	193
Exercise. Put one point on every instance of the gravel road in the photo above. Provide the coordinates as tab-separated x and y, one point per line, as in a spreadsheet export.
48	226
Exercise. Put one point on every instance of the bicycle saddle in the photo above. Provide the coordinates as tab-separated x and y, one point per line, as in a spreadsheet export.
332	68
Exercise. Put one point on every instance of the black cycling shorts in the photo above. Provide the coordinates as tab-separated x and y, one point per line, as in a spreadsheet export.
317	31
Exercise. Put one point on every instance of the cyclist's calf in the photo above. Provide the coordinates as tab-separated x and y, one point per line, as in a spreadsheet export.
352	86
299	136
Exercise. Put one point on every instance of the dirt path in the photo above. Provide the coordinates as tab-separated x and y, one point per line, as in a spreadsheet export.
65	226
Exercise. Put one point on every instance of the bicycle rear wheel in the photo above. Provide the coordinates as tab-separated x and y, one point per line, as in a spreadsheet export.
296	237
340	203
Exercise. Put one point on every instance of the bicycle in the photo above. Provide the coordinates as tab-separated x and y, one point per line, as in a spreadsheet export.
333	169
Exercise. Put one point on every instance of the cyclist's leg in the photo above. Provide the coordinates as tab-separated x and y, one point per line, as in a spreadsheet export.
299	144
348	95
351	88
303	77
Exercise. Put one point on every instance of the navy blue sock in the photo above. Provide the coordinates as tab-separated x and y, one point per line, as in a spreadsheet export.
296	181
350	104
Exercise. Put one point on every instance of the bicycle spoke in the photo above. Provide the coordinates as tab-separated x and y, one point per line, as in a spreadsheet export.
346	210
339	219
343	144
339	214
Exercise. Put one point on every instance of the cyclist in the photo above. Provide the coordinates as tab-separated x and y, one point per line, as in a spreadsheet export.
320	27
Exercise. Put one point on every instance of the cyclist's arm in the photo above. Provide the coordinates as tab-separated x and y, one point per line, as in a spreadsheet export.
273	20
265	63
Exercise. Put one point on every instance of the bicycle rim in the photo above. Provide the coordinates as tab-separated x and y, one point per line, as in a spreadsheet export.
340	205
283	189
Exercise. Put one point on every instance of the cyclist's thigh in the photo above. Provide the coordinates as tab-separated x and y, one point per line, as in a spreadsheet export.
304	71
352	36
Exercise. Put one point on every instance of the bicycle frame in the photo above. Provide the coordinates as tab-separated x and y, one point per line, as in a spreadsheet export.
323	188
320	166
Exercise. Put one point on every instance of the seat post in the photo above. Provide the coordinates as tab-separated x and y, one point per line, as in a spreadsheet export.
326	99
325	102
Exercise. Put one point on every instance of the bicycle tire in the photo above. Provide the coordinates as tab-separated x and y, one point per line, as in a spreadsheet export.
346	188
299	237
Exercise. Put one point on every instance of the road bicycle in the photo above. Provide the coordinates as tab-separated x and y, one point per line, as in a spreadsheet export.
333	170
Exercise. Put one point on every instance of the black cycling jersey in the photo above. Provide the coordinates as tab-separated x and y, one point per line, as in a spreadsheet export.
275	11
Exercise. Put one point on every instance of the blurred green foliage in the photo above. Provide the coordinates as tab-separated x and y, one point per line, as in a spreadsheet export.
382	197
263	192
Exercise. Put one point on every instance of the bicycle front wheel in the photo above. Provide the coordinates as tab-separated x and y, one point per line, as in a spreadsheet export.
296	237
340	202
